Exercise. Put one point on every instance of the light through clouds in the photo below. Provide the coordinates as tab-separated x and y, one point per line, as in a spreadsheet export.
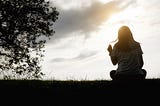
84	30
86	19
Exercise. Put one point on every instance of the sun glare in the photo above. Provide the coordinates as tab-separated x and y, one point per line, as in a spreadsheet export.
110	27
126	17
105	1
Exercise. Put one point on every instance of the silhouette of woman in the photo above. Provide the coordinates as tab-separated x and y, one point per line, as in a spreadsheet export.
127	53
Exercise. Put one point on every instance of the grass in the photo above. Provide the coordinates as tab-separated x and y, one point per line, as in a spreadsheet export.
64	93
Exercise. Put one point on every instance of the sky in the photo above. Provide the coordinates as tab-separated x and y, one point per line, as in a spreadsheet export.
85	28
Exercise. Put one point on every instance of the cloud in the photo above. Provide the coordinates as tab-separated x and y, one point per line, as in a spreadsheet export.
80	22
79	57
83	20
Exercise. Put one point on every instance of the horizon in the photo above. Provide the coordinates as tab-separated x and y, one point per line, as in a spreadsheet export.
84	29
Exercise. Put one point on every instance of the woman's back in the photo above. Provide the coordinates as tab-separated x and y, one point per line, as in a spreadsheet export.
128	62
127	53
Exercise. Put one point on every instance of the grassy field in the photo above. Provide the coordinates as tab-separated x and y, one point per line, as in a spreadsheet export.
66	93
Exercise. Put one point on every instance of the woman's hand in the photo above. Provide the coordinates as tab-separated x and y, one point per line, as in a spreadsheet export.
109	48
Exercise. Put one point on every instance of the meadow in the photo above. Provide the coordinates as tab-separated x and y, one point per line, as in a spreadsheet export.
67	93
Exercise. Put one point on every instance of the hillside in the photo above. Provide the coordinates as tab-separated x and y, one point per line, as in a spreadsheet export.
64	93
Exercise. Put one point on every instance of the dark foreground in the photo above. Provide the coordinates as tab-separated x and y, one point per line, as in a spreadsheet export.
79	93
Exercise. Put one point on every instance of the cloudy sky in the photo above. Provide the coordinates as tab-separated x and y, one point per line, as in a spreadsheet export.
84	29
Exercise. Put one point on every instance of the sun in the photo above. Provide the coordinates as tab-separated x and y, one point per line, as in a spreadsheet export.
125	17
105	1
110	28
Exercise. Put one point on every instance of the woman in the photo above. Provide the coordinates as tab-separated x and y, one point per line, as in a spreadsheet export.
127	53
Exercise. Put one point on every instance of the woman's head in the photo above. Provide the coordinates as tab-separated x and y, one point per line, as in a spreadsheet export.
125	34
124	38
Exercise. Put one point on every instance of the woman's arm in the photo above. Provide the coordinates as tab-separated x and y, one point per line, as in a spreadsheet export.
141	61
140	56
114	60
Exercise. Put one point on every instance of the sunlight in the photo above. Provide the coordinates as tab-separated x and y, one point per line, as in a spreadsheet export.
105	1
110	27
126	17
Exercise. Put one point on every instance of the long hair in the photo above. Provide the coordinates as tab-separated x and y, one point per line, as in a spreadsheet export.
124	38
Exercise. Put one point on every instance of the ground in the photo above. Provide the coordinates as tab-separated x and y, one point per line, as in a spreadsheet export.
64	93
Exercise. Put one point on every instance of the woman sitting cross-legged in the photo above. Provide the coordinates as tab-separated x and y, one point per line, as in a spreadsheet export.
127	53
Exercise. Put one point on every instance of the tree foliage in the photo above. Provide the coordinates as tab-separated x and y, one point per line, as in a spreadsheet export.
25	25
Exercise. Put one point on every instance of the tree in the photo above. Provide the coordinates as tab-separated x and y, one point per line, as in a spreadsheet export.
25	25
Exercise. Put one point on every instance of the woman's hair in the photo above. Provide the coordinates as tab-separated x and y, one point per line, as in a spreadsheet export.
124	38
